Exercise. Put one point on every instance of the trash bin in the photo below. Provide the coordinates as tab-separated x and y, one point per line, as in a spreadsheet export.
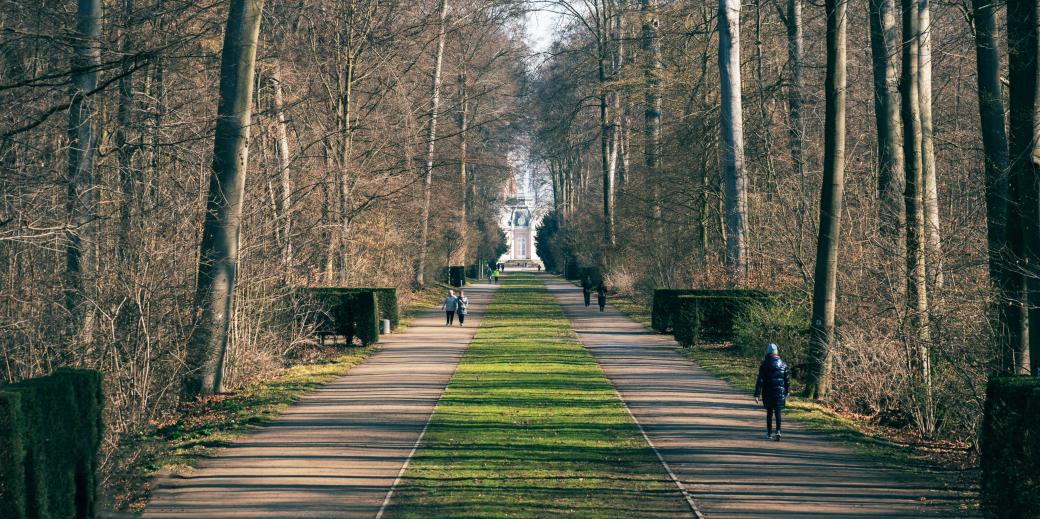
384	327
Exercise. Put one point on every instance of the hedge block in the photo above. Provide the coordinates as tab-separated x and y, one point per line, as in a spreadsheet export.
389	309
12	455
1011	448
350	312
664	308
60	419
572	270
711	317
457	275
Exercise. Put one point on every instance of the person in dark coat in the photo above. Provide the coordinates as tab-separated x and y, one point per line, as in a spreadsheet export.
773	384
601	296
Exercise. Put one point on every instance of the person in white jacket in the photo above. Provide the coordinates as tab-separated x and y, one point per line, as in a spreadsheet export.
451	303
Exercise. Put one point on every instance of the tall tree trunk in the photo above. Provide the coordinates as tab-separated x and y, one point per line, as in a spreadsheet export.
1024	150
282	142
821	328
652	115
431	137
82	235
345	184
124	151
732	143
463	122
916	240
608	151
884	46
1009	319
796	134
218	258
933	239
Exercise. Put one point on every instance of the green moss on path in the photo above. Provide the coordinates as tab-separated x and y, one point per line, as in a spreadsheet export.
530	427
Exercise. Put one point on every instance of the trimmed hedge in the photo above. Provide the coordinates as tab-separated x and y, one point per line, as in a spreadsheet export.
50	432
350	312
664	308
1011	448
572	269
710	317
386	297
457	275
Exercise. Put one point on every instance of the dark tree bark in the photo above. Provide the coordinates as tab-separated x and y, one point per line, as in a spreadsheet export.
1023	43
821	328
793	22
82	234
884	46
218	258
1009	319
652	116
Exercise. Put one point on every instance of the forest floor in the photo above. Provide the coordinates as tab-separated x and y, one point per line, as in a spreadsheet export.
530	427
179	441
898	448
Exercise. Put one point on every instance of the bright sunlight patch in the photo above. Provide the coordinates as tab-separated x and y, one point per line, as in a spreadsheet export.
530	427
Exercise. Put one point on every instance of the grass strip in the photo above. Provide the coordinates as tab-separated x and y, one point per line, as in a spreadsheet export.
530	427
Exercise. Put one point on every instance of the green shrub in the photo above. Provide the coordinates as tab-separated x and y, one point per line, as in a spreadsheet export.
456	275
664	307
1011	448
572	270
60	422
786	325
12	455
687	321
365	311
388	306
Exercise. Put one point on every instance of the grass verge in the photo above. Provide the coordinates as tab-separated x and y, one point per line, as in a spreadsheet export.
530	427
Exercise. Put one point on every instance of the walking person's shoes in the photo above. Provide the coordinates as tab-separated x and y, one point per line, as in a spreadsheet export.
777	437
769	436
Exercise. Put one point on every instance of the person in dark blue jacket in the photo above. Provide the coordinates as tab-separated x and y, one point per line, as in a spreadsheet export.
774	382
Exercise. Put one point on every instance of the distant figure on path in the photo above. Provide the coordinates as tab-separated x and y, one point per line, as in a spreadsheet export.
495	275
601	297
451	303
463	307
587	292
774	382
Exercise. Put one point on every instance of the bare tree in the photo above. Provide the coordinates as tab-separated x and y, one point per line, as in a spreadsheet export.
431	139
891	173
82	233
218	257
652	116
821	328
1009	319
1024	148
731	125
916	240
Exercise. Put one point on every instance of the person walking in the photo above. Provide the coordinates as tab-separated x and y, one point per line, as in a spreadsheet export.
495	275
601	297
773	384
451	304
587	292
462	307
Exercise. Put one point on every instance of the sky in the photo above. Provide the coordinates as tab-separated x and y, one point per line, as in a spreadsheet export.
541	27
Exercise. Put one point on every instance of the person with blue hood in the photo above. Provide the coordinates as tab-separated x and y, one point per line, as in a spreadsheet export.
773	384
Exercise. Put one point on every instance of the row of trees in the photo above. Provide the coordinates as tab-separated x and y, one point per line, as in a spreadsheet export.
726	170
355	141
